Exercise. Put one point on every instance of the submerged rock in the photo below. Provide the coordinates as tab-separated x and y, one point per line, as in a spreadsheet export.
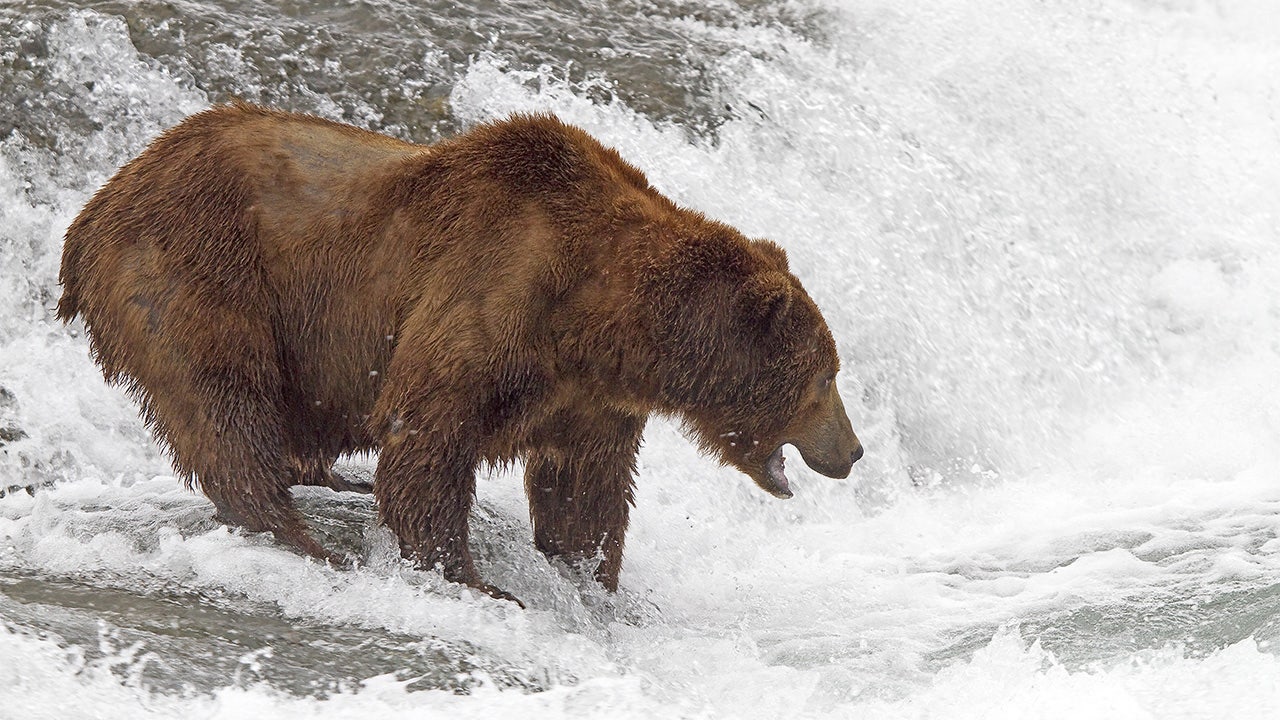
9	430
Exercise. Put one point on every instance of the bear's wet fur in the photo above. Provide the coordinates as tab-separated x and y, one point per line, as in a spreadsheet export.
277	290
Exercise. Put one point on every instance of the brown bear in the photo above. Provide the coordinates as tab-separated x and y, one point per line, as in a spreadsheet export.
277	290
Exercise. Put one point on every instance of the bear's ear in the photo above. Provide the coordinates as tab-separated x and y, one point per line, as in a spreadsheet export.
764	302
772	253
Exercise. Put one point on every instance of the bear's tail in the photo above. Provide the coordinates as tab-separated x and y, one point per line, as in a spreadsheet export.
68	305
69	277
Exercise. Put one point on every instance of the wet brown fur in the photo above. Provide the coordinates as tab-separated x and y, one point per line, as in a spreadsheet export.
277	290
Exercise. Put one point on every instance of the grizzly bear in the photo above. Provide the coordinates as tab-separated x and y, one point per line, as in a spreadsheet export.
277	290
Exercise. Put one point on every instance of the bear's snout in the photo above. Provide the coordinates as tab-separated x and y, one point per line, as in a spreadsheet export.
826	439
838	467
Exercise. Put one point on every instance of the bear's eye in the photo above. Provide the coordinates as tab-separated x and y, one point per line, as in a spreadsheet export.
825	380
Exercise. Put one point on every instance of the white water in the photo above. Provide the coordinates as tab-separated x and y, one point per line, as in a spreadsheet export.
1045	237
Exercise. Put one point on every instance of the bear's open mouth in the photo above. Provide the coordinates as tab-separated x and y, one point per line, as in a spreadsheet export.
775	477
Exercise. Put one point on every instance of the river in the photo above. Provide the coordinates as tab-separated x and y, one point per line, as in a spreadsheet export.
1046	236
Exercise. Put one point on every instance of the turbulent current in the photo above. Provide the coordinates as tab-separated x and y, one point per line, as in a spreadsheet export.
1046	236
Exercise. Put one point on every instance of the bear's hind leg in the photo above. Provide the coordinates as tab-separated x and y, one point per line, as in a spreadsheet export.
271	511
211	394
241	469
581	494
318	472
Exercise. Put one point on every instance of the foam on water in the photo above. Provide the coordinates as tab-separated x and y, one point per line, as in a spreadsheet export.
1044	236
1006	679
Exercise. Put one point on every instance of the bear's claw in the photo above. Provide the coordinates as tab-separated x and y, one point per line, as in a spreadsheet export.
497	593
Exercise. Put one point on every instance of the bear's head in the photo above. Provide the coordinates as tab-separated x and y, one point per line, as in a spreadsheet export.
745	358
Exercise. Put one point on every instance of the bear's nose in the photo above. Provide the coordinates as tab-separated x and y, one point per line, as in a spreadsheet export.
856	456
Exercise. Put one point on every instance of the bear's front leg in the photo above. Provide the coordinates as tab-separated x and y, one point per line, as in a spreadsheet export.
424	490
580	492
